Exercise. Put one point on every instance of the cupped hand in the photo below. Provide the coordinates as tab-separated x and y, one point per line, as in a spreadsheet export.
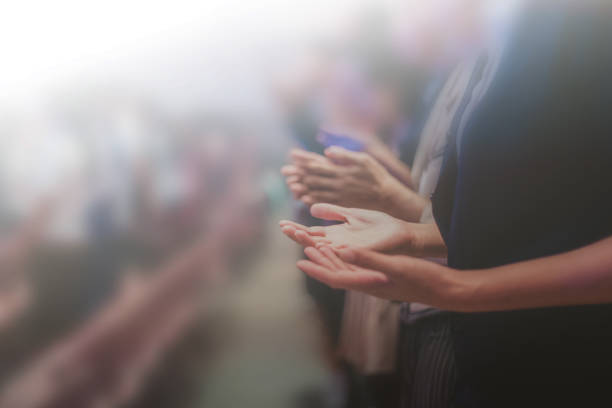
360	228
346	178
350	179
390	277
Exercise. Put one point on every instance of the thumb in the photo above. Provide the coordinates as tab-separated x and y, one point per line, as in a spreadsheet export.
342	156
330	212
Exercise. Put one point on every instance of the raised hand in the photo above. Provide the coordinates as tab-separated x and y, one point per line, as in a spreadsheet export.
350	179
390	277
366	229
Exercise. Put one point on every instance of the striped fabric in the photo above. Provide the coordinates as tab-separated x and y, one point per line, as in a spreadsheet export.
428	371
428	364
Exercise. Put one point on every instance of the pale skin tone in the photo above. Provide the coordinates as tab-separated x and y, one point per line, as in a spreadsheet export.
350	179
367	229
581	276
382	153
392	163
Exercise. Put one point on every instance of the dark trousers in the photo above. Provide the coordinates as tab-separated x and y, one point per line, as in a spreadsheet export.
427	363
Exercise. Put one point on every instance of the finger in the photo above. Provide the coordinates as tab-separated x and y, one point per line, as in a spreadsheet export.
322	183
284	223
290	232
358	280
370	259
316	271
293	234
292	179
308	200
305	239
319	258
342	156
330	212
298	189
318	168
333	258
300	236
321	242
303	156
290	170
315	231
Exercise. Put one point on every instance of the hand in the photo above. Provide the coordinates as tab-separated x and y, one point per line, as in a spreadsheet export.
380	151
294	173
386	276
578	277
350	179
366	140
367	229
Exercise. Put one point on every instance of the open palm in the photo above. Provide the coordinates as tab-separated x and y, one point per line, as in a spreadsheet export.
359	228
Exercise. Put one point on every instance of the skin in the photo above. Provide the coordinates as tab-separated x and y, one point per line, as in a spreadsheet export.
350	179
376	148
367	229
392	163
581	276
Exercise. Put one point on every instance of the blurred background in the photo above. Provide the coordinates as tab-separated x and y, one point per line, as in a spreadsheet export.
140	144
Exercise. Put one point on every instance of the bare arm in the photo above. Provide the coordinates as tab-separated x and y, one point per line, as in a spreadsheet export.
392	163
582	276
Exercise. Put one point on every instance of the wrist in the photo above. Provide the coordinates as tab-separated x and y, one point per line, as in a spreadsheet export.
411	241
459	291
451	290
422	241
404	203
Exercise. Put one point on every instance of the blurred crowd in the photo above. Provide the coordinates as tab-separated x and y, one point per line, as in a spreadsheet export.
116	229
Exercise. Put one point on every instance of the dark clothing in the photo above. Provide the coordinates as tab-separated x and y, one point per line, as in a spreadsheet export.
531	179
428	363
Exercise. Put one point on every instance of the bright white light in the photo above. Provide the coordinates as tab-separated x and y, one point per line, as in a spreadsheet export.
49	42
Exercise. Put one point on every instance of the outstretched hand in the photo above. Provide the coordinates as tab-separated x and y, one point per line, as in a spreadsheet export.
390	277
361	228
350	179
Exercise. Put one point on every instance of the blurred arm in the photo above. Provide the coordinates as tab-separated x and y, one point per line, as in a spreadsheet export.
391	162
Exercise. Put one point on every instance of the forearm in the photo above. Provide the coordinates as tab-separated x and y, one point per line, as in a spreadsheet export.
582	276
394	165
423	241
403	203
